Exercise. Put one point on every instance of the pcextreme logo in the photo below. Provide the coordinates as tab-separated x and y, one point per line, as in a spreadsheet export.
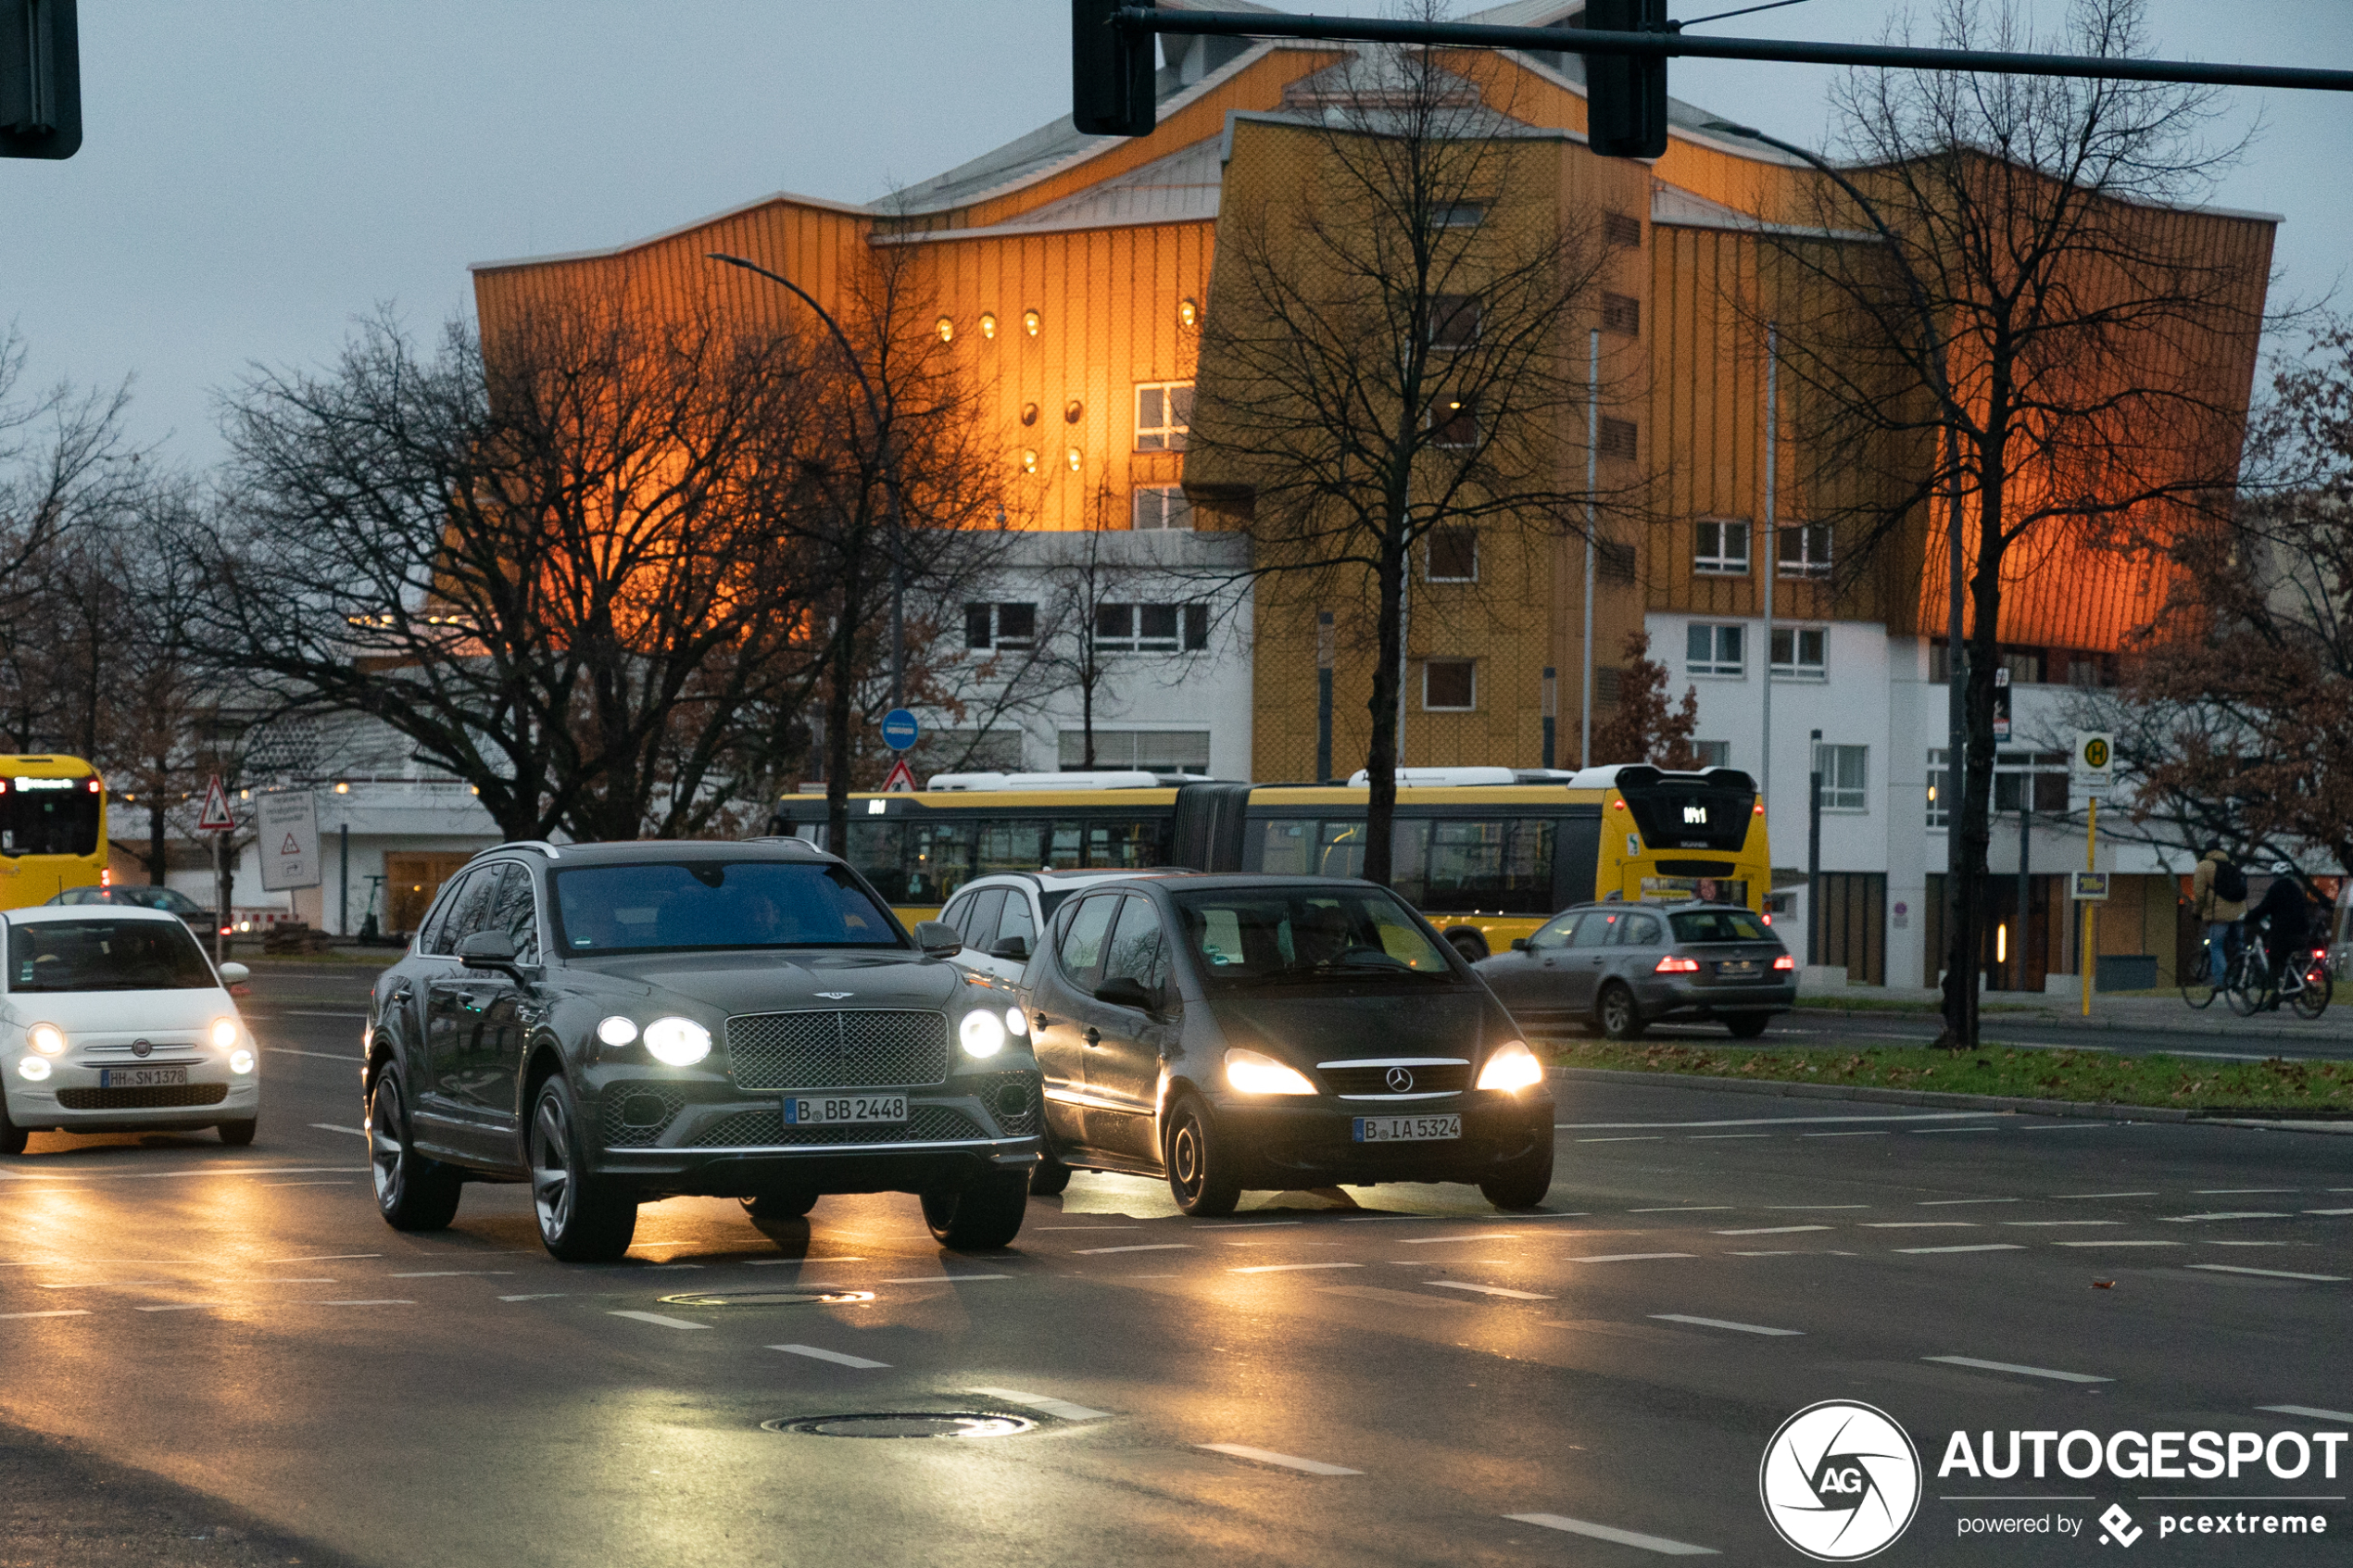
1839	1481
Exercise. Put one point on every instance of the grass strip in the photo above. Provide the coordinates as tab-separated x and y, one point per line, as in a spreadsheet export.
2101	1077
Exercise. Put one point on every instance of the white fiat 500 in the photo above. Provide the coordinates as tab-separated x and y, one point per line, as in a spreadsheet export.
113	1020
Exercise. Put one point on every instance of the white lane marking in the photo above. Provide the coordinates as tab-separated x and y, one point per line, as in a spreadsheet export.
1697	1209
1288	1268
2245	1215
2267	1273
1059	1409
1925	1132
1486	1289
2117	1244
449	1273
1785	1252
928	1279
1631	1256
326	1258
2094	1126
1144	1247
1646	1137
1963	1202
1564	1214
2235	1192
2105	1195
1773	1229
262	1279
1773	1120
324	1056
2218	1242
380	1301
1658	1544
183	1307
1288	1461
1981	1247
331	1128
543	1296
1919	1224
658	1321
788	1262
2329	1211
54	1312
2062	1222
2306	1411
1719	1137
1251	1226
1809	1208
2021	1371
816	1353
330	1181
1435	1240
1869	1133
1726	1322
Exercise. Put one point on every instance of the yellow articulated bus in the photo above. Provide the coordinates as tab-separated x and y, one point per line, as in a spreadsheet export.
53	828
1487	854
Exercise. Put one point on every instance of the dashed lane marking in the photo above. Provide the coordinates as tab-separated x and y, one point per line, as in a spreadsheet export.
1646	1137
2236	1191
2309	1413
2197	1219
543	1296
1698	1209
2062	1222
1980	1246
1769	1121
2105	1243
2067	1194
1288	1461
1963	1202
326	1258
1435	1240
1773	1229
380	1301
1726	1322
1610	1533
818	1353
1631	1256
1289	1268
1785	1252
1142	1247
182	1307
1866	1132
450	1273
1252	1225
2267	1273
931	1279
1062	1410
1721	1137
658	1321
1486	1289
1919	1224
332	1127
2331	1211
1810	1208
53	1312
1974	1363
1930	1132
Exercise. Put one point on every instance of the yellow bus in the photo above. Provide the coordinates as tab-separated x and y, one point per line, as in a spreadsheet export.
53	828
1487	854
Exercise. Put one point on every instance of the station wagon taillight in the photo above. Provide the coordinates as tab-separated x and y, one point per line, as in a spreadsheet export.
1785	961
1671	964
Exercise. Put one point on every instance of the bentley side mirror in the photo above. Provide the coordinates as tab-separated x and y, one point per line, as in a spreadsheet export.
1125	991
938	939
1011	948
1519	944
489	949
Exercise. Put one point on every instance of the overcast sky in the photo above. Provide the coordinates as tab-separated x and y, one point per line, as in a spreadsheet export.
255	174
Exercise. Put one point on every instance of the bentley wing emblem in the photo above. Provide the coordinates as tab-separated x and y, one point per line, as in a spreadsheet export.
836	996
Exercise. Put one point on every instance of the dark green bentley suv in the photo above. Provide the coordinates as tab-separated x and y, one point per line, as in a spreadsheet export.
619	1022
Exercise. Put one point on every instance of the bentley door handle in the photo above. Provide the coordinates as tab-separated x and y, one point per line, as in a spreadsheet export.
1094	1037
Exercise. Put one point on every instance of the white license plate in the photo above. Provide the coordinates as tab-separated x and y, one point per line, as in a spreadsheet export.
838	1110
1407	1129
141	1077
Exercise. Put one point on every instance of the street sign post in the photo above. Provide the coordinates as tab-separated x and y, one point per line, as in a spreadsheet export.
900	781
2091	766
899	730
287	828
216	820
2090	887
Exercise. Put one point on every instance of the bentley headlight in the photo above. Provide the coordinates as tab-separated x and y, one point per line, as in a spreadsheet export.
982	1033
46	1038
1255	1074
617	1030
1511	1066
224	1034
677	1042
1017	1021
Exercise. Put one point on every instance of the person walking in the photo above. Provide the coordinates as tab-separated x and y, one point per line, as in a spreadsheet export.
2218	892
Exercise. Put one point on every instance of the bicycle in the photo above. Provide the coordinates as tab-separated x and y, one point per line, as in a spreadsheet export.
2252	986
2200	991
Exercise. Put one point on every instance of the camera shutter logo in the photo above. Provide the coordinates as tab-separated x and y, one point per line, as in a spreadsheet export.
1839	1481
1400	1080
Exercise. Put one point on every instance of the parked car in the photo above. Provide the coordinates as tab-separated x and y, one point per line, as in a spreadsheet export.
618	1023
999	915
1622	967
1238	1032
170	901
112	1020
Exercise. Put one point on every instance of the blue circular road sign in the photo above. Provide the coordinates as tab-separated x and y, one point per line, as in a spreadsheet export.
899	730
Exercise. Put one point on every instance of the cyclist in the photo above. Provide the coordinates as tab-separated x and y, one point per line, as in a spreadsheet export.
2284	916
2218	891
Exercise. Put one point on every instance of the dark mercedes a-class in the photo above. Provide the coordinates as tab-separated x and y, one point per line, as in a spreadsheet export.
618	1023
1240	1032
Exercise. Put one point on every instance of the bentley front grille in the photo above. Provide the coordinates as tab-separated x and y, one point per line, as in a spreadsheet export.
844	1049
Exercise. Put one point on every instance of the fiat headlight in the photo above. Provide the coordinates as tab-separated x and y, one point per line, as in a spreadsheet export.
982	1033
241	1062
1512	1067
224	1034
46	1038
1255	1074
677	1042
617	1031
32	1069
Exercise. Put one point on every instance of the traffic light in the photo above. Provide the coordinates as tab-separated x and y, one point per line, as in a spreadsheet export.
40	78
1111	72
1626	94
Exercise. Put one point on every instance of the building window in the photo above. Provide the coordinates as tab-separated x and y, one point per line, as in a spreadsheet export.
1622	229
2037	777
2091	670
1618	438
1939	814
1147	751
1803	548
1458	215
1714	650
1614	561
1142	628
1001	625
1721	547
1621	313
1454	425
1453	554
1714	753
1801	651
2026	666
1845	777
1164	413
1606	685
1161	506
1449	686
1453	320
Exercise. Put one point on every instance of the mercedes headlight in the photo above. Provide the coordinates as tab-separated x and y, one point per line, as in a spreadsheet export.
1252	1073
677	1042
1511	1066
46	1038
982	1033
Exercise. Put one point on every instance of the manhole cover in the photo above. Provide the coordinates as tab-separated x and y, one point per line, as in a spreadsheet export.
906	1423
771	1298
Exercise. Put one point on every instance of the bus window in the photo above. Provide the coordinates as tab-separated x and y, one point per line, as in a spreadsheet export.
1503	866
49	817
1062	848
1283	850
1341	852
913	861
1123	845
1011	847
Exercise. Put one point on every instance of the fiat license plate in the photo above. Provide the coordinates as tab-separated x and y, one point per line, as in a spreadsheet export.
840	1111
1407	1129
141	1077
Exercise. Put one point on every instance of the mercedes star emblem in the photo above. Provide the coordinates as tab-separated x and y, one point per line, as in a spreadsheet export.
1400	1080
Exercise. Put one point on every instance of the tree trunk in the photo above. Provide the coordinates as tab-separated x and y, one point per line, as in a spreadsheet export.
1380	760
156	850
837	707
1972	830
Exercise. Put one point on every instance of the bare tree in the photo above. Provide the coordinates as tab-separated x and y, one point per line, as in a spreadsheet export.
1386	352
2032	343
1643	728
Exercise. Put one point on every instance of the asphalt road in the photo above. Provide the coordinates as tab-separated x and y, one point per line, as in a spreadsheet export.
231	1350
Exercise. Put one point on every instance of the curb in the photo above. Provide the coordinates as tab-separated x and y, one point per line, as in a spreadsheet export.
1939	1099
2040	1018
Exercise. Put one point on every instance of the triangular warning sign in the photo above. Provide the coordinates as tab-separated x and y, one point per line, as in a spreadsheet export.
215	818
900	780
291	847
